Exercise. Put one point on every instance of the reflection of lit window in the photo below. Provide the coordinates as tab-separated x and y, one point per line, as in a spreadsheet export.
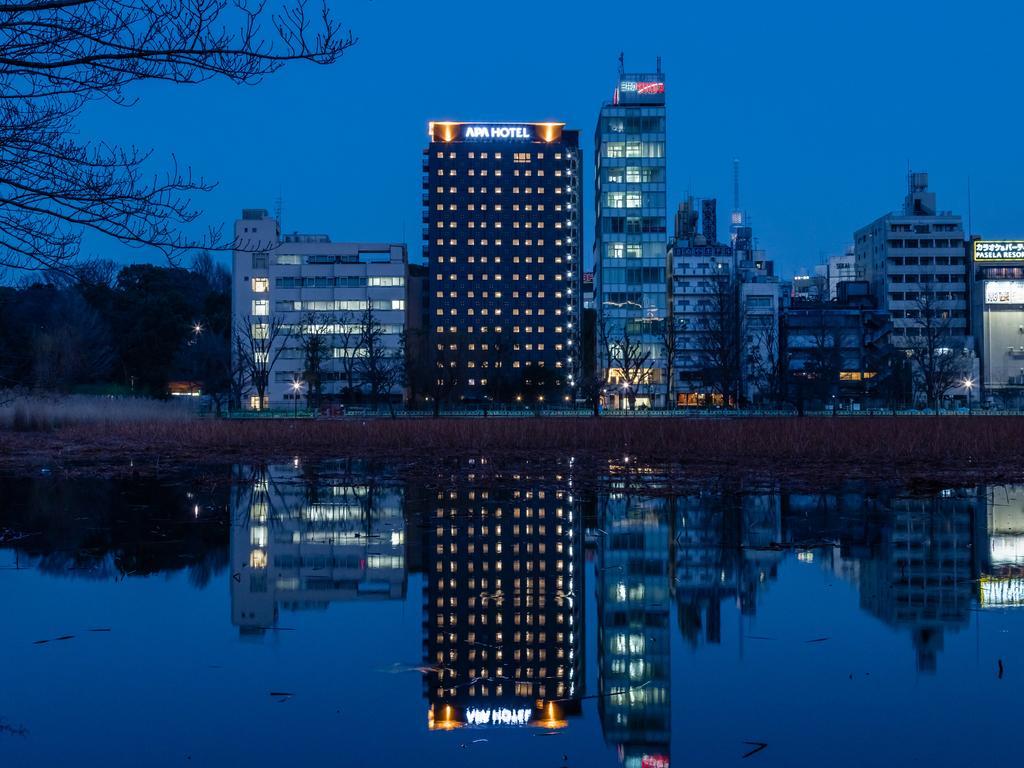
258	536
257	559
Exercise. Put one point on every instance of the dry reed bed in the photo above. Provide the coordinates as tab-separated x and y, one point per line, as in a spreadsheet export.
785	442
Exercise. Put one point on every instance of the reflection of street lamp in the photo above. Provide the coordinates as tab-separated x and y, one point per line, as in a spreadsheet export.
296	388
968	384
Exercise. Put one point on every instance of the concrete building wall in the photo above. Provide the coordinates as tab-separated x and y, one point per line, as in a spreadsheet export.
286	277
915	250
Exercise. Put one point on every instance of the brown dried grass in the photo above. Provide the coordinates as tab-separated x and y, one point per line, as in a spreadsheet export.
879	442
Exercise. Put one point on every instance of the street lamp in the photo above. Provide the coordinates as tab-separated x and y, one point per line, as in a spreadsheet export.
296	388
968	385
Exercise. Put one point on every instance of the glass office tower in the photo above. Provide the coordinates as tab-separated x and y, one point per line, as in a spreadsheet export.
631	265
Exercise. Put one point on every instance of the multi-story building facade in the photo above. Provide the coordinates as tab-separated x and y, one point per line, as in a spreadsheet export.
916	255
284	284
503	606
997	293
502	224
701	271
838	349
630	244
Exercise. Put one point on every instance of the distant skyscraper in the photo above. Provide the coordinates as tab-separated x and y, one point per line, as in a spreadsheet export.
501	236
631	263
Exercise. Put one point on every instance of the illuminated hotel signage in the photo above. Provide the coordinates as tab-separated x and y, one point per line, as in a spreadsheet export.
998	250
1004	292
641	87
497	132
446	132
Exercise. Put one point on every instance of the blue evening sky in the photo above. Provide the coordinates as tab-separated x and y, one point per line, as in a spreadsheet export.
823	103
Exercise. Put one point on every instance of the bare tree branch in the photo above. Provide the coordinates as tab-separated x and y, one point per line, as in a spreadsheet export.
56	56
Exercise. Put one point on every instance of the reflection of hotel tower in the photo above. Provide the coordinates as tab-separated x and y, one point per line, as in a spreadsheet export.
633	628
723	552
502	616
1002	561
921	575
304	544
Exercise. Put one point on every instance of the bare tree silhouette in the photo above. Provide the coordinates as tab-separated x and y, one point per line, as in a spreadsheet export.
56	56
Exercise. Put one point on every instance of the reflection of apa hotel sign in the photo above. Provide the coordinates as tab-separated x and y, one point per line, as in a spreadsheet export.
502	716
498	132
999	250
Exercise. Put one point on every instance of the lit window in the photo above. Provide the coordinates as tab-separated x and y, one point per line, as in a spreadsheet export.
260	284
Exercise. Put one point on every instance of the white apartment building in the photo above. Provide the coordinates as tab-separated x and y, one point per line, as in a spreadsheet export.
285	277
919	249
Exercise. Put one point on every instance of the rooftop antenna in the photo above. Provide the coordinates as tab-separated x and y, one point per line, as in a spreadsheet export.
735	184
970	217
659	66
622	62
279	207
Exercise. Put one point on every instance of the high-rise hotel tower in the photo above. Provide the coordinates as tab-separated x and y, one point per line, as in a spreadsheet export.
502	240
631	263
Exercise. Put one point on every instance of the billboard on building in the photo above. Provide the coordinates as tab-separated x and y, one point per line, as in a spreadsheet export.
986	251
1004	292
641	89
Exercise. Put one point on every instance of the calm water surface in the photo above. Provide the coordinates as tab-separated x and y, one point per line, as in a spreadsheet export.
354	615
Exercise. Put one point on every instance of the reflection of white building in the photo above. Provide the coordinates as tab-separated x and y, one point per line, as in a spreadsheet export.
303	544
1002	569
922	576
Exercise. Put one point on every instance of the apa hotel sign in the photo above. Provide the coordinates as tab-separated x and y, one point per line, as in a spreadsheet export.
448	132
497	132
986	251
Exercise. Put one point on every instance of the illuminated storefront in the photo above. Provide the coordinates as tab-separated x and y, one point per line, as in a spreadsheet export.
998	313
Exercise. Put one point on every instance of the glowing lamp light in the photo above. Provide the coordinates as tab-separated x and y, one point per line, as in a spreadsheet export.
551	719
447	722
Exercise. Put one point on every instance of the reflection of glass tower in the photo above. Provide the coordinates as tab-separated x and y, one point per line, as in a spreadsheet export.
304	543
502	620
633	628
921	577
